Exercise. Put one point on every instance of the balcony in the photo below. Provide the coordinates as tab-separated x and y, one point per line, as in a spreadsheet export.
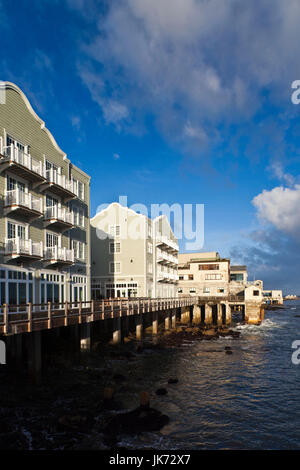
21	164
23	205
59	185
57	255
167	243
58	218
23	249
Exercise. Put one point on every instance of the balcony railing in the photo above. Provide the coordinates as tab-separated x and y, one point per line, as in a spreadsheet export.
163	240
58	254
16	197
54	177
15	155
21	247
59	214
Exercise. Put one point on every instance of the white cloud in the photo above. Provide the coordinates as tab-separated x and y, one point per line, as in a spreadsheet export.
191	60
116	156
281	208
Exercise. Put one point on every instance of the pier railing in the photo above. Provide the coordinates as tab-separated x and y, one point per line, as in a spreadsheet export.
29	317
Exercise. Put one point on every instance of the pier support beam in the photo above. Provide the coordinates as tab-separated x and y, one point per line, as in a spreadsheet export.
155	323
253	313
85	337
117	331
208	314
139	330
167	321
228	313
219	312
34	344
173	318
196	314
185	316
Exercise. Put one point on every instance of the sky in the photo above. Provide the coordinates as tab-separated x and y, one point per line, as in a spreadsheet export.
175	101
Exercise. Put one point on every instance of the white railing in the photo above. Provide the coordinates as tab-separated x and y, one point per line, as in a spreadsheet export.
19	246
16	197
56	253
162	239
59	213
54	177
14	154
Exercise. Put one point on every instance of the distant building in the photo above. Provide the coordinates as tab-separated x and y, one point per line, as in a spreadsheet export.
132	255
239	280
273	296
203	274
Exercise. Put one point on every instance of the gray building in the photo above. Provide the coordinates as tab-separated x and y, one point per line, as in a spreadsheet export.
45	200
132	255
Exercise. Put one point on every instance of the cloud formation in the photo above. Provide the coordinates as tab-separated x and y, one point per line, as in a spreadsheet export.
192	64
281	208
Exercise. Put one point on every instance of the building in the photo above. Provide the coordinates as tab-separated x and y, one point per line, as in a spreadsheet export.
45	199
132	255
203	274
239	280
273	297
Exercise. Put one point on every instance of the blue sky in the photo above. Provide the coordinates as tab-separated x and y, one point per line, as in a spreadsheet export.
174	101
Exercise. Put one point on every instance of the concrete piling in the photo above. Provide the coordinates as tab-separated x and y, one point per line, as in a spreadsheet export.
155	323
208	314
117	331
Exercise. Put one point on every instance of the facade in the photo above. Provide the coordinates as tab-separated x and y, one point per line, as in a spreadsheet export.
273	296
203	274
132	255
44	223
239	280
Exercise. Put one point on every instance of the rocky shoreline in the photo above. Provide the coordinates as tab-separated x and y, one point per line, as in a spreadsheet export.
69	410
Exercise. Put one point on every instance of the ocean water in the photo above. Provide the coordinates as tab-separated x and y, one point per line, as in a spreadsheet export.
247	400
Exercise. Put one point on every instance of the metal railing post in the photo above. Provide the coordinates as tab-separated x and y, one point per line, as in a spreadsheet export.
29	316
49	315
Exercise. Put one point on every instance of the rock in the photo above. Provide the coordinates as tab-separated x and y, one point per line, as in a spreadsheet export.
119	377
228	352
227	348
135	422
161	391
210	332
173	381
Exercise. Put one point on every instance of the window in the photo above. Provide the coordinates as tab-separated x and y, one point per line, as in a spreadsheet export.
192	291
179	291
191	277
150	248
15	231
150	268
181	278
237	277
51	240
78	248
208	267
114	268
213	277
114	230
206	290
256	292
11	141
220	291
115	247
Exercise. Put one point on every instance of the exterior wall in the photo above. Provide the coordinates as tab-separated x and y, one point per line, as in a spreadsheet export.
195	280
18	120
166	259
135	257
274	296
253	294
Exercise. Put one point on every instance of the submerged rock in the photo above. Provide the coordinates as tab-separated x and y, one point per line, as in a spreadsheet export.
161	391
173	380
135	422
